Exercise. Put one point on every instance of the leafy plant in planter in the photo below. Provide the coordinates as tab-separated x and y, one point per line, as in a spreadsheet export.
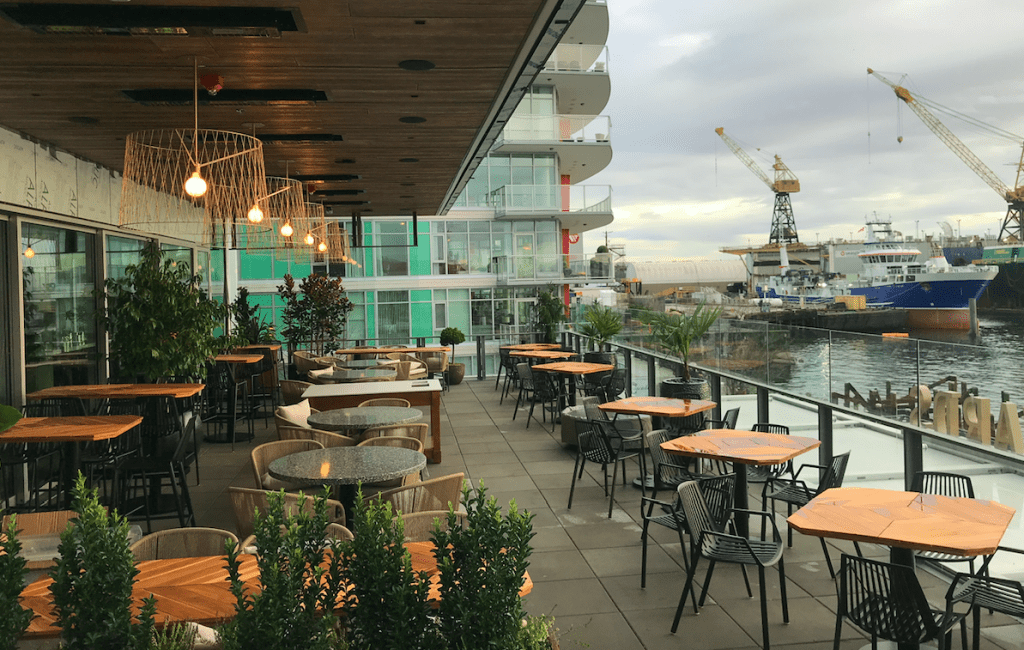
297	584
600	323
391	613
549	312
248	323
453	336
161	322
9	416
675	331
315	312
93	578
15	619
482	570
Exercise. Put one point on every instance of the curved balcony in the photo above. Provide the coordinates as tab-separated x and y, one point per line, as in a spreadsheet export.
523	269
579	74
580	142
578	207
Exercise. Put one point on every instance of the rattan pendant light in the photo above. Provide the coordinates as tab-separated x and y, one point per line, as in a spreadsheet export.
199	184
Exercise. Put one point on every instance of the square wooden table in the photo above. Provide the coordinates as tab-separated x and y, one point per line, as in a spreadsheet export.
70	431
741	448
532	346
542	354
571	369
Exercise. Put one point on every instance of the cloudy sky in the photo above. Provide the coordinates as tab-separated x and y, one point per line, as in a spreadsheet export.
789	77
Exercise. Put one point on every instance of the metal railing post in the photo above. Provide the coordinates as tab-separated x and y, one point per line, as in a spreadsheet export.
481	358
762	404
824	434
652	376
716	396
913	456
421	342
627	363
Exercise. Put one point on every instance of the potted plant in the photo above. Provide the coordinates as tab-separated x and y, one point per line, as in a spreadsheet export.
548	312
300	583
248	323
456	371
15	620
315	312
93	578
9	416
675	332
160	321
600	324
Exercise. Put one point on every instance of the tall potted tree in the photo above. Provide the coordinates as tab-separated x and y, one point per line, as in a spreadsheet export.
315	312
675	332
160	320
456	371
548	313
600	324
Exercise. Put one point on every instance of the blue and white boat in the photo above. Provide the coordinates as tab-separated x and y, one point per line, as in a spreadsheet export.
935	294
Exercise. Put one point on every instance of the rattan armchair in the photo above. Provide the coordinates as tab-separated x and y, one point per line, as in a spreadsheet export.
433	494
268	452
420	526
246	501
182	542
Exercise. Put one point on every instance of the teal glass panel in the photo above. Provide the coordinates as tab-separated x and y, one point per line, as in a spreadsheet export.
420	295
217	266
421	319
255	266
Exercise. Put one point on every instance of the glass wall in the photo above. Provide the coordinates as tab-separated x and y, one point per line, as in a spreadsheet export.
6	289
500	170
122	252
60	323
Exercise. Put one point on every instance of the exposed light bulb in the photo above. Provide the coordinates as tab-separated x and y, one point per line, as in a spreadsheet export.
322	247
287	230
255	214
29	253
195	186
309	239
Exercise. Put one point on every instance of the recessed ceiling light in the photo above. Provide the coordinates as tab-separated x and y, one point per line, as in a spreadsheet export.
407	184
408	160
416	64
412	119
83	119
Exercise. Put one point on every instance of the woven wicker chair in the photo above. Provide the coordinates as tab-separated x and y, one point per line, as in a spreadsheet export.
393	441
294	415
418	430
386	401
434	494
41	523
246	501
332	531
292	390
419	526
182	542
264	454
325	438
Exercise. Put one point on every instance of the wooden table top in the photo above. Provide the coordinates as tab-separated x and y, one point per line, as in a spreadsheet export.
256	346
921	522
662	406
542	354
81	428
743	447
118	391
574	367
187	589
428	348
238	358
531	346
197	589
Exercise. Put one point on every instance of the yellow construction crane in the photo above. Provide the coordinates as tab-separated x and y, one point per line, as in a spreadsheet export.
1011	232
786	183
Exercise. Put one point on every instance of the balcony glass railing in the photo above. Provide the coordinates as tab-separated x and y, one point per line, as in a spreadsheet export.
570	57
557	128
533	199
563	269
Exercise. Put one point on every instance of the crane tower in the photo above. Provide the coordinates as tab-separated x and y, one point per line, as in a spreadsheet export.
786	183
1012	230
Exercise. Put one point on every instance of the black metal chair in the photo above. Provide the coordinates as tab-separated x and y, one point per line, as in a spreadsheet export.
887	601
614	384
100	459
945	484
795	493
982	591
709	540
768	473
141	480
728	420
599	443
40	462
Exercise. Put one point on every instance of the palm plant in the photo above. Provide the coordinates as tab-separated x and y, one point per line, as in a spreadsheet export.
601	323
676	331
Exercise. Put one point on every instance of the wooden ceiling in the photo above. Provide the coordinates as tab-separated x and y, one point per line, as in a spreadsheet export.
68	89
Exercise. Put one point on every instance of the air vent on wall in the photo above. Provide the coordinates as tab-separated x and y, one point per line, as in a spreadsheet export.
299	138
151	20
227	97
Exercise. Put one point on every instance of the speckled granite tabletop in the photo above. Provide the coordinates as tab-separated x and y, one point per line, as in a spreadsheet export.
359	418
347	465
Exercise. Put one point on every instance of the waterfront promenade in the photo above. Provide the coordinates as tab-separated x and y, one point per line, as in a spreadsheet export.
586	567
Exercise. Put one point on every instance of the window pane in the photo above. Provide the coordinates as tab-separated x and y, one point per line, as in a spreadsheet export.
393	261
60	319
122	252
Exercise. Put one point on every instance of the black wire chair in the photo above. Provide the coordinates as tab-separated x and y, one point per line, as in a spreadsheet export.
945	484
982	591
887	601
599	443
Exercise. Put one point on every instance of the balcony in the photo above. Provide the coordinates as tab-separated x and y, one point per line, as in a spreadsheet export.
578	207
524	269
545	129
572	57
579	74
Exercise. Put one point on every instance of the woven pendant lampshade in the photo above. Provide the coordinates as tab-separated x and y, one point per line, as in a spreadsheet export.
153	193
337	243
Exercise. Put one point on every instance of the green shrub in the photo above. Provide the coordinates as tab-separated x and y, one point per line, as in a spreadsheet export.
93	579
294	607
15	619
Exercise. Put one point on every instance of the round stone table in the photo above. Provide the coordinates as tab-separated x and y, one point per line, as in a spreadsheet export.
344	467
368	374
348	420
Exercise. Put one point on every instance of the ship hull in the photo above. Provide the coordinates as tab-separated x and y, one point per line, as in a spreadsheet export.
938	294
939	319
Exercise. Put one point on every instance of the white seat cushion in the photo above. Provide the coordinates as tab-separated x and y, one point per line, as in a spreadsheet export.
296	413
